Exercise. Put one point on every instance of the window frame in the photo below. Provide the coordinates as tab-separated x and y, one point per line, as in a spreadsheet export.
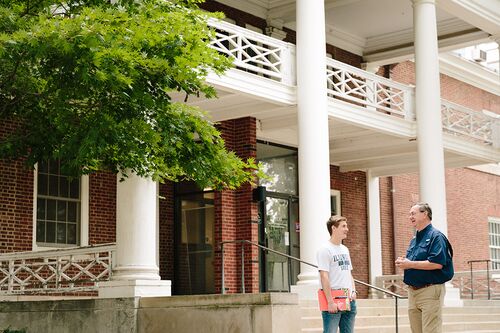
494	220
84	215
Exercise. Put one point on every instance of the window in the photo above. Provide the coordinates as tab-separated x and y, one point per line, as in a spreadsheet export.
335	202
280	163
58	211
494	226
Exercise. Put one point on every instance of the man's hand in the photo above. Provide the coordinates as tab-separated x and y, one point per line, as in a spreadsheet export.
332	307
426	265
403	263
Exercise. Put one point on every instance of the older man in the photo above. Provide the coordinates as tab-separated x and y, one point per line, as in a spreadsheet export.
427	266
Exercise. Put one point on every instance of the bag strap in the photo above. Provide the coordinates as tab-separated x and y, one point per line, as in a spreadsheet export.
450	248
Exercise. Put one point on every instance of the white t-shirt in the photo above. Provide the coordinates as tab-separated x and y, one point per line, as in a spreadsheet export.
336	260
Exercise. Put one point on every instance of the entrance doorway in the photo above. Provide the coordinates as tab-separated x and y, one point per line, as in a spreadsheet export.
279	217
194	242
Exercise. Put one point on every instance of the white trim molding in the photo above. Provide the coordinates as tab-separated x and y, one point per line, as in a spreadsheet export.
469	72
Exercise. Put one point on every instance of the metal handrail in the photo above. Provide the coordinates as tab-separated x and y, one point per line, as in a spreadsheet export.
262	247
487	261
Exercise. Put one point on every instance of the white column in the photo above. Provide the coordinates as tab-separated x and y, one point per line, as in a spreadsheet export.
136	271
314	164
428	111
374	231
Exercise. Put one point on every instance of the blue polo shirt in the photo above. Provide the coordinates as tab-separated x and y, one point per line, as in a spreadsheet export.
429	244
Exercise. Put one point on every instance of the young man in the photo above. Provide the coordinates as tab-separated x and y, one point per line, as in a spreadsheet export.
427	266
334	265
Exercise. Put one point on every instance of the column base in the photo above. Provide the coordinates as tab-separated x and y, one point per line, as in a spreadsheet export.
306	291
452	296
135	272
135	288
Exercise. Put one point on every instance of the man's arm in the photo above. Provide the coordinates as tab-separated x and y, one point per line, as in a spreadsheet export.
325	284
424	265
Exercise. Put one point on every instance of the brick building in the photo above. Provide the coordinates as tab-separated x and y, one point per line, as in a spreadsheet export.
373	125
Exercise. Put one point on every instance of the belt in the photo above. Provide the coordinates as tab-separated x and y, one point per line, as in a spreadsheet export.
420	287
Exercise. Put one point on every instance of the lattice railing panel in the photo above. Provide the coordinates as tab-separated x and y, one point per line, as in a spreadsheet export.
465	122
371	91
252	51
56	271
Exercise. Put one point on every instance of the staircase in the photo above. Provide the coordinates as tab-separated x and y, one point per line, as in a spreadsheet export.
377	316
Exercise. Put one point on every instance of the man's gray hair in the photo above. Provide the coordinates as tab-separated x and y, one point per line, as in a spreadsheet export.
424	207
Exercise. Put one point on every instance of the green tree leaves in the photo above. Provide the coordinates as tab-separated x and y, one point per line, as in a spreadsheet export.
90	83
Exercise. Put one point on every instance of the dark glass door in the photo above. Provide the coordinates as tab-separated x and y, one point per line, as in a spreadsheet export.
281	233
194	246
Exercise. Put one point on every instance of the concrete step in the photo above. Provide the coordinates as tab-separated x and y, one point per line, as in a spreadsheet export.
389	311
370	321
376	316
458	327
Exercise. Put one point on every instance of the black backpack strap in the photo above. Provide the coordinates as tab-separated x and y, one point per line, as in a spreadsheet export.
450	248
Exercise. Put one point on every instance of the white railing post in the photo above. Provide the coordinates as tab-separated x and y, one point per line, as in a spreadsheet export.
288	66
58	272
495	133
409	105
10	285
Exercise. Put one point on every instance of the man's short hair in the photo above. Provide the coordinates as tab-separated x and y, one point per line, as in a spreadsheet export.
424	207
334	221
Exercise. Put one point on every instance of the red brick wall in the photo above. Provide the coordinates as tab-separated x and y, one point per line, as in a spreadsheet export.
472	196
16	201
236	213
386	225
102	208
406	189
241	18
352	187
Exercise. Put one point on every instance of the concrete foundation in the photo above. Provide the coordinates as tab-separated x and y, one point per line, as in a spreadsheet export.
235	313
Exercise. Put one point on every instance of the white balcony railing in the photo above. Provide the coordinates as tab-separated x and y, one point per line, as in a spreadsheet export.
459	120
55	271
369	90
273	59
255	52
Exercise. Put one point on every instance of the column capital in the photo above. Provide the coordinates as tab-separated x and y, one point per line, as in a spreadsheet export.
495	38
370	67
421	2
275	33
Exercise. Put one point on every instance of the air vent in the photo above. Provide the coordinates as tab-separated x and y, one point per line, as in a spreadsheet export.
478	55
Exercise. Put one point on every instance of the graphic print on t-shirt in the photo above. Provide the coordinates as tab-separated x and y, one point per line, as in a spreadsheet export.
342	260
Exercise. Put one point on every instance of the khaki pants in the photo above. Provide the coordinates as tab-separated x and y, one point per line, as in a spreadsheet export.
424	309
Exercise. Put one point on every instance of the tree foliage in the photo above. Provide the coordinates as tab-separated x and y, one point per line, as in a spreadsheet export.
90	82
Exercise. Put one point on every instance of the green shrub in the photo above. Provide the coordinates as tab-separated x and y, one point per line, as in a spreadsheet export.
9	330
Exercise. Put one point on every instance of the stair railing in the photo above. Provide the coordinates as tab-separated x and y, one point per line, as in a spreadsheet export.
267	249
487	261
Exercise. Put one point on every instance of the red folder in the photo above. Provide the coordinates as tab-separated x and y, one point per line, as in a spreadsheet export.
340	297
